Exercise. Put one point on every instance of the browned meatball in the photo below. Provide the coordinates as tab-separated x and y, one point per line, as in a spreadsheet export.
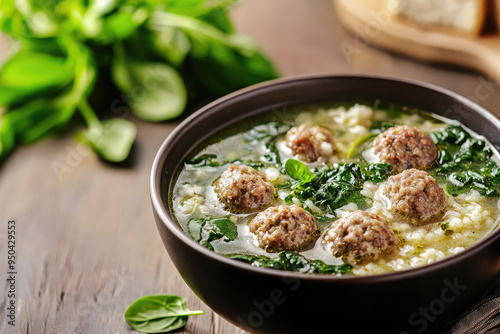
311	142
243	189
284	227
405	147
415	194
360	237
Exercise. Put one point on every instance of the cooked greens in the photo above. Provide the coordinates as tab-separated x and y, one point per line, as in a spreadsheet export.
269	134
465	163
204	160
292	261
338	185
159	313
206	230
158	53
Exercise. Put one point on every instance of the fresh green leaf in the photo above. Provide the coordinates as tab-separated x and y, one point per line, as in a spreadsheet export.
292	261
155	91
37	118
298	171
159	313
224	62
35	69
207	230
31	72
150	46
111	139
171	44
116	26
195	8
40	116
219	18
7	136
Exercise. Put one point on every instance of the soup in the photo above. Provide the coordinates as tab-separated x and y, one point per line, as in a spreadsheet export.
354	190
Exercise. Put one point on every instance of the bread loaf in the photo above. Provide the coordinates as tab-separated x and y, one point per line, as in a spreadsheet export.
464	16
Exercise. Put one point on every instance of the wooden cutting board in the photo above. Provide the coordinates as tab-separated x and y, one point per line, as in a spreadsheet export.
372	22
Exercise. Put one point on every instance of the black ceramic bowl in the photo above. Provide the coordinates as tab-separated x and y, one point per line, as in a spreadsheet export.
271	301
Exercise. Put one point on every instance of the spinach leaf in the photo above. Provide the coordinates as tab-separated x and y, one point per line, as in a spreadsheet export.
339	185
224	62
298	171
155	49
28	73
195	8
155	90
292	261
31	72
465	163
7	136
41	115
111	139
206	230
158	313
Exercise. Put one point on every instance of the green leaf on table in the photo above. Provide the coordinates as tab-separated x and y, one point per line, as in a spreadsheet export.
155	90
111	139
298	171
158	313
206	230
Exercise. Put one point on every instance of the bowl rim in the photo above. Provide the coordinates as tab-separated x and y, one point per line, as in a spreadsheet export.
162	211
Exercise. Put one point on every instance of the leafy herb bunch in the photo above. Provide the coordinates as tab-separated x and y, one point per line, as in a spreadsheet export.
157	52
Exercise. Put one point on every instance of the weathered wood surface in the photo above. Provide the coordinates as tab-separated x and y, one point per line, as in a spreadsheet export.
87	245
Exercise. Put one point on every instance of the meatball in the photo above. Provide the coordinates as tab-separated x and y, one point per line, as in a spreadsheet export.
243	189
284	227
360	237
415	194
405	147
311	142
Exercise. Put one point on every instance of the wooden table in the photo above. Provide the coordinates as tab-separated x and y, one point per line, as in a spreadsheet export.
87	245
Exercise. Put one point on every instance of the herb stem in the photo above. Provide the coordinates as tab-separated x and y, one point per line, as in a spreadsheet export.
88	113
